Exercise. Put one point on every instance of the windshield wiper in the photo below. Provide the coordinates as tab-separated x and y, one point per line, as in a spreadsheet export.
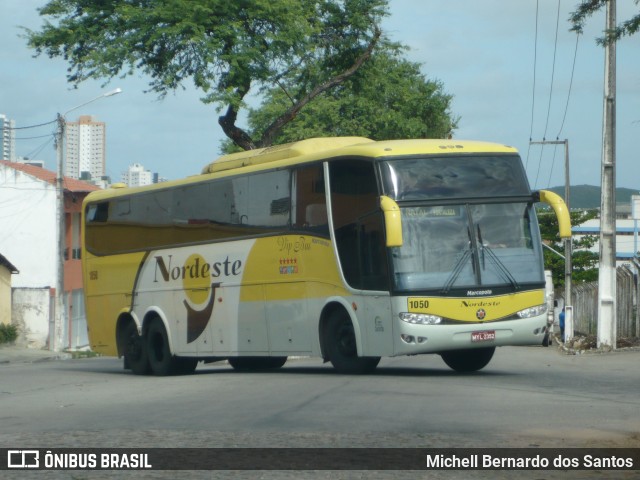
506	274
459	265
457	268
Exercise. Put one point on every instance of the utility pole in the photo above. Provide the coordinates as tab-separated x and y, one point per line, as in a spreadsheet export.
568	267
607	268
60	316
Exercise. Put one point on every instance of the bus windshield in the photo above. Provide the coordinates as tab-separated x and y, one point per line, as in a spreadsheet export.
460	177
468	246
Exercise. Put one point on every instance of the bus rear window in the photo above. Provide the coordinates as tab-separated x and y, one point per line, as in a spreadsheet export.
476	176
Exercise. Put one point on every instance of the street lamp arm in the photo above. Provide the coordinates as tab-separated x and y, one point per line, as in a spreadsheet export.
107	94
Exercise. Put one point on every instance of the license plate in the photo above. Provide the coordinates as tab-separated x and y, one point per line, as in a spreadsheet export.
484	336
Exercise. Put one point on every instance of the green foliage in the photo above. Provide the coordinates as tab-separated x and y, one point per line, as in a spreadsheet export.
385	99
226	48
8	333
587	8
584	262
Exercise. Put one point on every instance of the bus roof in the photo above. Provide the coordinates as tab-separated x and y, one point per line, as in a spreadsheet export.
314	148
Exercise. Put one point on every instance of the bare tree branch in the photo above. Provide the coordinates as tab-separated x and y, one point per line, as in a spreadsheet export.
228	123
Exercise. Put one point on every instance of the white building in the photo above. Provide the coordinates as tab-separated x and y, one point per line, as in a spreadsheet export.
627	232
137	176
85	143
8	138
28	236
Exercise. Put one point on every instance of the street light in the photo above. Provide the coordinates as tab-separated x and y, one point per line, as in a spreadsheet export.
56	343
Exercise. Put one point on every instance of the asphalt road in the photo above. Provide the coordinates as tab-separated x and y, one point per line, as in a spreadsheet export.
526	397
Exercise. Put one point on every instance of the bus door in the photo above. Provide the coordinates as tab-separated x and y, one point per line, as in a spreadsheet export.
358	225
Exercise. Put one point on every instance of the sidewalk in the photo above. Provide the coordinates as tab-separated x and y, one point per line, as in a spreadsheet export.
15	354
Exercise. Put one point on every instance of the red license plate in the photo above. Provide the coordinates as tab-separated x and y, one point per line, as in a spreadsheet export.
484	336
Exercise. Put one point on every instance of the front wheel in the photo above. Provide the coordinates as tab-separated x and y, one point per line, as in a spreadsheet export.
341	348
470	360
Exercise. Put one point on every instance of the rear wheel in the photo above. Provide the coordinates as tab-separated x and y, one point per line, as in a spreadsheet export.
257	363
161	360
135	351
470	360
341	348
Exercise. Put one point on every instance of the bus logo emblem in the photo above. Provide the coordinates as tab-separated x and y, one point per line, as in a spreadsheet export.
480	314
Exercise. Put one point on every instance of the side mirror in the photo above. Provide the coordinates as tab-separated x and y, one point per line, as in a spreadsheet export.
392	221
560	208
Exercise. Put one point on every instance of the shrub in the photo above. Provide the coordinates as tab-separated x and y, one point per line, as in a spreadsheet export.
8	333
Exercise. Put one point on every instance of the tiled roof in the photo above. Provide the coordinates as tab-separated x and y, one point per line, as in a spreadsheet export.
70	184
7	264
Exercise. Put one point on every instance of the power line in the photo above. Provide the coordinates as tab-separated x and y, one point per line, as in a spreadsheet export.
553	71
553	162
35	138
38	149
533	94
573	68
566	108
32	126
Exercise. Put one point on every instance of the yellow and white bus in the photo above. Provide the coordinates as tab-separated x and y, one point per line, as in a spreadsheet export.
345	249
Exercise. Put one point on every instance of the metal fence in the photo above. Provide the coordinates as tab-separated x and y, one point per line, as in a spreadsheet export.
584	298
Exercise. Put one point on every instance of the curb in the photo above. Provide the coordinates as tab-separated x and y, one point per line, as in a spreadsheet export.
11	354
567	350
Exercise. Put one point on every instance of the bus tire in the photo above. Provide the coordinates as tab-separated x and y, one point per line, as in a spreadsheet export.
135	351
161	361
470	360
341	348
256	363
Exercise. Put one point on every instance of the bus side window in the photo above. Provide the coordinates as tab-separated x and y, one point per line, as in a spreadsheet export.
316	215
98	212
309	201
267	201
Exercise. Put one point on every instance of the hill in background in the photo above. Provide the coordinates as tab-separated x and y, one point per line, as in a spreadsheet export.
588	196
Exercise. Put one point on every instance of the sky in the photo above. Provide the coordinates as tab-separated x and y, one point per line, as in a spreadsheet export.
507	86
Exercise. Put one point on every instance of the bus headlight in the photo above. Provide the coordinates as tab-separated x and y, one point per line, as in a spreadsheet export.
532	311
420	318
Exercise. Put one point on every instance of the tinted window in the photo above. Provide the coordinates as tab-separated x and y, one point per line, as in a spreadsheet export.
454	177
199	212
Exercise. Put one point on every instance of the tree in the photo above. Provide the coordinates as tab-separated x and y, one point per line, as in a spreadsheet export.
229	49
588	7
387	98
584	262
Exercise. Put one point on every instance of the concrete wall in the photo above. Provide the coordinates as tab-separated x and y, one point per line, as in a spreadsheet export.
28	233
5	295
31	314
